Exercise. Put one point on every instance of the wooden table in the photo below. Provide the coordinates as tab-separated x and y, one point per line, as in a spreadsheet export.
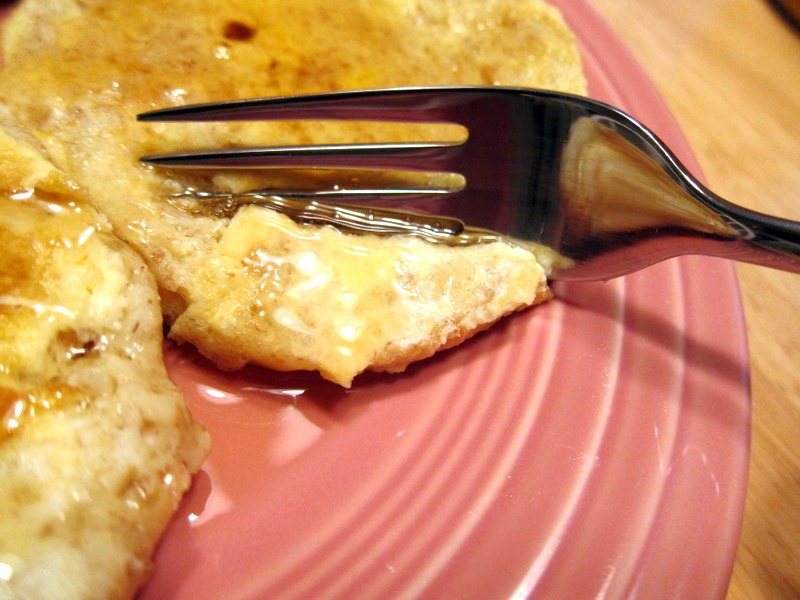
730	72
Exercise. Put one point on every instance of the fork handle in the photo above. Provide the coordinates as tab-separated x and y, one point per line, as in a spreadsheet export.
720	229
762	239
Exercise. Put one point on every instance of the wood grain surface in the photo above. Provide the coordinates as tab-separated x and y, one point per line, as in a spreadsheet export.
730	72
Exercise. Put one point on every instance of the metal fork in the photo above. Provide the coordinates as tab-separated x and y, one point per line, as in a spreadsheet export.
571	174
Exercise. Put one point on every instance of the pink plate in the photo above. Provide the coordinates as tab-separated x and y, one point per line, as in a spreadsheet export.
594	447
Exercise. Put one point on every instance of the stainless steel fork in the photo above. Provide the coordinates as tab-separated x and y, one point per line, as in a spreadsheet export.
574	175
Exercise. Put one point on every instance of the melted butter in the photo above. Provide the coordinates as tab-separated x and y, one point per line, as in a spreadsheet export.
294	263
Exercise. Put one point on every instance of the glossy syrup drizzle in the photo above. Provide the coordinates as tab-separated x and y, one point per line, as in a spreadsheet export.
16	408
39	305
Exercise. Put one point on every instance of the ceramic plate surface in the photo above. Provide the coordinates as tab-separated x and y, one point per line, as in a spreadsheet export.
593	447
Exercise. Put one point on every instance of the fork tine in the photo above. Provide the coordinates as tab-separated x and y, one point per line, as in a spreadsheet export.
425	156
394	104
